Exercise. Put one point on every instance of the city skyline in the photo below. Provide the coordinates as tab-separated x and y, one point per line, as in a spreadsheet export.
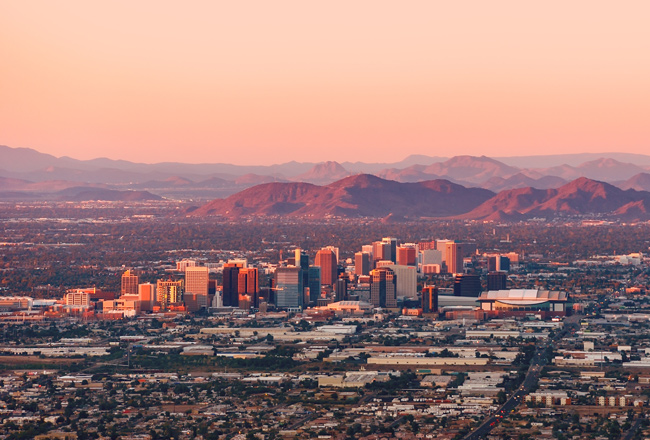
250	84
119	319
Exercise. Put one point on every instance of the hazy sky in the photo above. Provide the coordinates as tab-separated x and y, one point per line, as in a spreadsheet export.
254	82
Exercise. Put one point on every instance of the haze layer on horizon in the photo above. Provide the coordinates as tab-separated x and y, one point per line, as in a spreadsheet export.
256	82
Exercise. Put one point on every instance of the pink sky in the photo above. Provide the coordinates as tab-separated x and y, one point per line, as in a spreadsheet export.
270	81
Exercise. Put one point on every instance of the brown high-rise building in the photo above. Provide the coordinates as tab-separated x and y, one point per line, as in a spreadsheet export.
231	283
467	285
362	263
381	251
341	289
454	257
130	283
147	296
196	281
326	260
248	287
392	242
406	256
193	301
383	288
497	281
430	299
212	291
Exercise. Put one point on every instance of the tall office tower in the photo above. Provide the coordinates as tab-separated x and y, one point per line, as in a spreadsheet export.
454	257
326	260
430	299
380	251
498	263
333	249
367	248
492	263
147	296
168	293
383	287
341	289
467	285
231	283
184	264
496	281
392	241
441	245
302	261
212	291
406	284
503	264
197	279
362	263
130	283
288	287
314	283
406	256
248	287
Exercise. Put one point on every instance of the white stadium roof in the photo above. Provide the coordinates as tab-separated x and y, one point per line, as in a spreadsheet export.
523	296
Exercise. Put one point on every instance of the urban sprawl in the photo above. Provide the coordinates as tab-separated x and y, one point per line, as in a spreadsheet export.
428	339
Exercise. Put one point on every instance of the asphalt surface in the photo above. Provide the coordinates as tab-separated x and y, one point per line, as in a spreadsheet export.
532	376
630	433
530	381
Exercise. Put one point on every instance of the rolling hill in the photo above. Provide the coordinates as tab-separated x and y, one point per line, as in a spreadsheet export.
579	197
362	195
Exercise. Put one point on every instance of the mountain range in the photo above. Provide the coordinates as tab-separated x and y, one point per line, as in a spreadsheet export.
580	197
362	195
33	166
370	196
418	186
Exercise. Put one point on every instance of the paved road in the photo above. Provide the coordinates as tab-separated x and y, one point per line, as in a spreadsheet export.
530	381
397	422
532	376
633	429
297	424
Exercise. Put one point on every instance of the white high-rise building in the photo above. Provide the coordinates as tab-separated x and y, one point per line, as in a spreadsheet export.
407	280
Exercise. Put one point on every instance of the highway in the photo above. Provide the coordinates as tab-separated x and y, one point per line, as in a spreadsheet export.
537	363
629	435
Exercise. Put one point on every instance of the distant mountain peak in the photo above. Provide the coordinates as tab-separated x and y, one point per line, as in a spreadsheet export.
638	182
359	180
324	172
468	159
586	184
329	167
603	162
